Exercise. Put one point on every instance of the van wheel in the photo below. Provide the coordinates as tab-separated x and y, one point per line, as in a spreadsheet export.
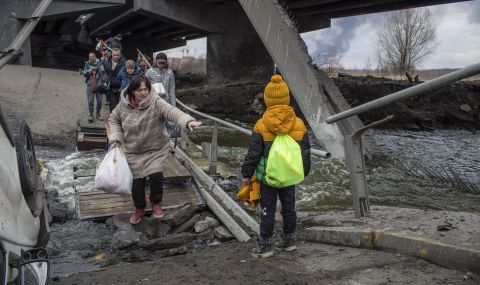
27	160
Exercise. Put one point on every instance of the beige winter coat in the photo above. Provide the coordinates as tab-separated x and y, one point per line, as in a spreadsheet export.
142	132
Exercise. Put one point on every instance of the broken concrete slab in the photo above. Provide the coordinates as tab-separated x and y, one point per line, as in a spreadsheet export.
205	224
449	256
188	225
171	241
124	239
222	234
346	236
176	217
150	227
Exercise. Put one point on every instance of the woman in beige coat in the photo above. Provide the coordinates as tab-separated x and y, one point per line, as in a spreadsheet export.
138	124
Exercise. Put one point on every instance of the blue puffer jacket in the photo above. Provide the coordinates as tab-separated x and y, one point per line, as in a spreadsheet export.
125	78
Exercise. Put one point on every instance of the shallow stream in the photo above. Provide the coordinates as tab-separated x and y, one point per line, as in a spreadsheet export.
326	188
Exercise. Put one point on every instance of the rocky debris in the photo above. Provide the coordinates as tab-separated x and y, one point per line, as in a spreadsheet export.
177	217
222	234
153	228
150	227
465	108
123	239
188	225
171	241
205	224
58	210
215	243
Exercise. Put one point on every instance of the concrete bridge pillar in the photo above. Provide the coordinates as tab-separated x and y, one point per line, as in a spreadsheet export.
237	57
9	28
236	52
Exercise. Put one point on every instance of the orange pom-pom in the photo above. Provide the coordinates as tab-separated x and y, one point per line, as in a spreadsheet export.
277	78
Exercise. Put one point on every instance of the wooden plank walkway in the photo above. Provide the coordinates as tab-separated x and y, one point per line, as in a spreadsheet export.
98	204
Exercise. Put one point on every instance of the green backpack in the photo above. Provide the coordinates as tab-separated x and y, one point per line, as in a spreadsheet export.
284	163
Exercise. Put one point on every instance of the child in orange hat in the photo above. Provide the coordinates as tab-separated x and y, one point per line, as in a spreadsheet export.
278	119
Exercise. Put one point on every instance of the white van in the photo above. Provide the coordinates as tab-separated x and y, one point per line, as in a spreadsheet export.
24	229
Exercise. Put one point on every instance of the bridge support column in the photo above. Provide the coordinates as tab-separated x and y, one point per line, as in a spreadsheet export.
9	28
237	57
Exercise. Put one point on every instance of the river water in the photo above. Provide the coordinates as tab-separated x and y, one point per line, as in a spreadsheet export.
327	187
85	245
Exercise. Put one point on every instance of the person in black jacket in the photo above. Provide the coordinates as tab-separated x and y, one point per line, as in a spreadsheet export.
279	118
112	68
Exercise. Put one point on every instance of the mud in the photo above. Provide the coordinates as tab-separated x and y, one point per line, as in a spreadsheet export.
454	106
230	263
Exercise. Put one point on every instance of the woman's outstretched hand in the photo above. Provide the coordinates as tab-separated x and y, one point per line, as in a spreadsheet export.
193	124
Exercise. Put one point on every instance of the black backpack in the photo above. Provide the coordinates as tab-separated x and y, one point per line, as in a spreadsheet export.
101	84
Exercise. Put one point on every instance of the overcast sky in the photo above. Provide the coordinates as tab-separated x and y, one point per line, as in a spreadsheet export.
458	37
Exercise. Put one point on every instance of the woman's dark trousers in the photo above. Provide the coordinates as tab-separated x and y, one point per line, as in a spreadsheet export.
156	190
268	203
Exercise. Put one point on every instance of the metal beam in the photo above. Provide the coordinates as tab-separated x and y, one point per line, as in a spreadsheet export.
409	92
191	15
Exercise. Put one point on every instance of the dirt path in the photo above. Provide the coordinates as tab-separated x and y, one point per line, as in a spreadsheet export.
230	263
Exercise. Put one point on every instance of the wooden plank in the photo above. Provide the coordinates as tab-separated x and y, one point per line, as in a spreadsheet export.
127	201
96	195
100	204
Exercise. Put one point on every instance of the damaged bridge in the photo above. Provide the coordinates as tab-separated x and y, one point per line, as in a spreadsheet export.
244	39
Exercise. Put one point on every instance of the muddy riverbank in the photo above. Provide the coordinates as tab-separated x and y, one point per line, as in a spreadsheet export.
454	106
230	263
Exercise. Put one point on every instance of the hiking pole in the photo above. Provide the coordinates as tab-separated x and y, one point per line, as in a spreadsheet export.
146	60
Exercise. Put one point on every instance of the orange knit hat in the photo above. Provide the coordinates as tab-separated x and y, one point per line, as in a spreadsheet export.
276	92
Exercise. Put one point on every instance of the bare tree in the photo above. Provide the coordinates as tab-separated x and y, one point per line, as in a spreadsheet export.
368	65
407	39
328	60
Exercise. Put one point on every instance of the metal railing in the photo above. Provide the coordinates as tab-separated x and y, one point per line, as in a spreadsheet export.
316	152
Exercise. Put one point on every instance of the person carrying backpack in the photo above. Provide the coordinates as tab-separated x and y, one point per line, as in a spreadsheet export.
89	71
279	156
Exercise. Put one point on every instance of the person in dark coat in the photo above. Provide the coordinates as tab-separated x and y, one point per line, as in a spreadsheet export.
113	66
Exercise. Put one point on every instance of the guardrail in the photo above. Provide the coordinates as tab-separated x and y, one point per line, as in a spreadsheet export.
316	152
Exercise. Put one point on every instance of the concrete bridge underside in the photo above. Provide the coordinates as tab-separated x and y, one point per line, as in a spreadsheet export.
243	36
234	50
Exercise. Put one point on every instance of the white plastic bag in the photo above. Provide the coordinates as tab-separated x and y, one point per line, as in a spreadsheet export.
114	175
159	89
